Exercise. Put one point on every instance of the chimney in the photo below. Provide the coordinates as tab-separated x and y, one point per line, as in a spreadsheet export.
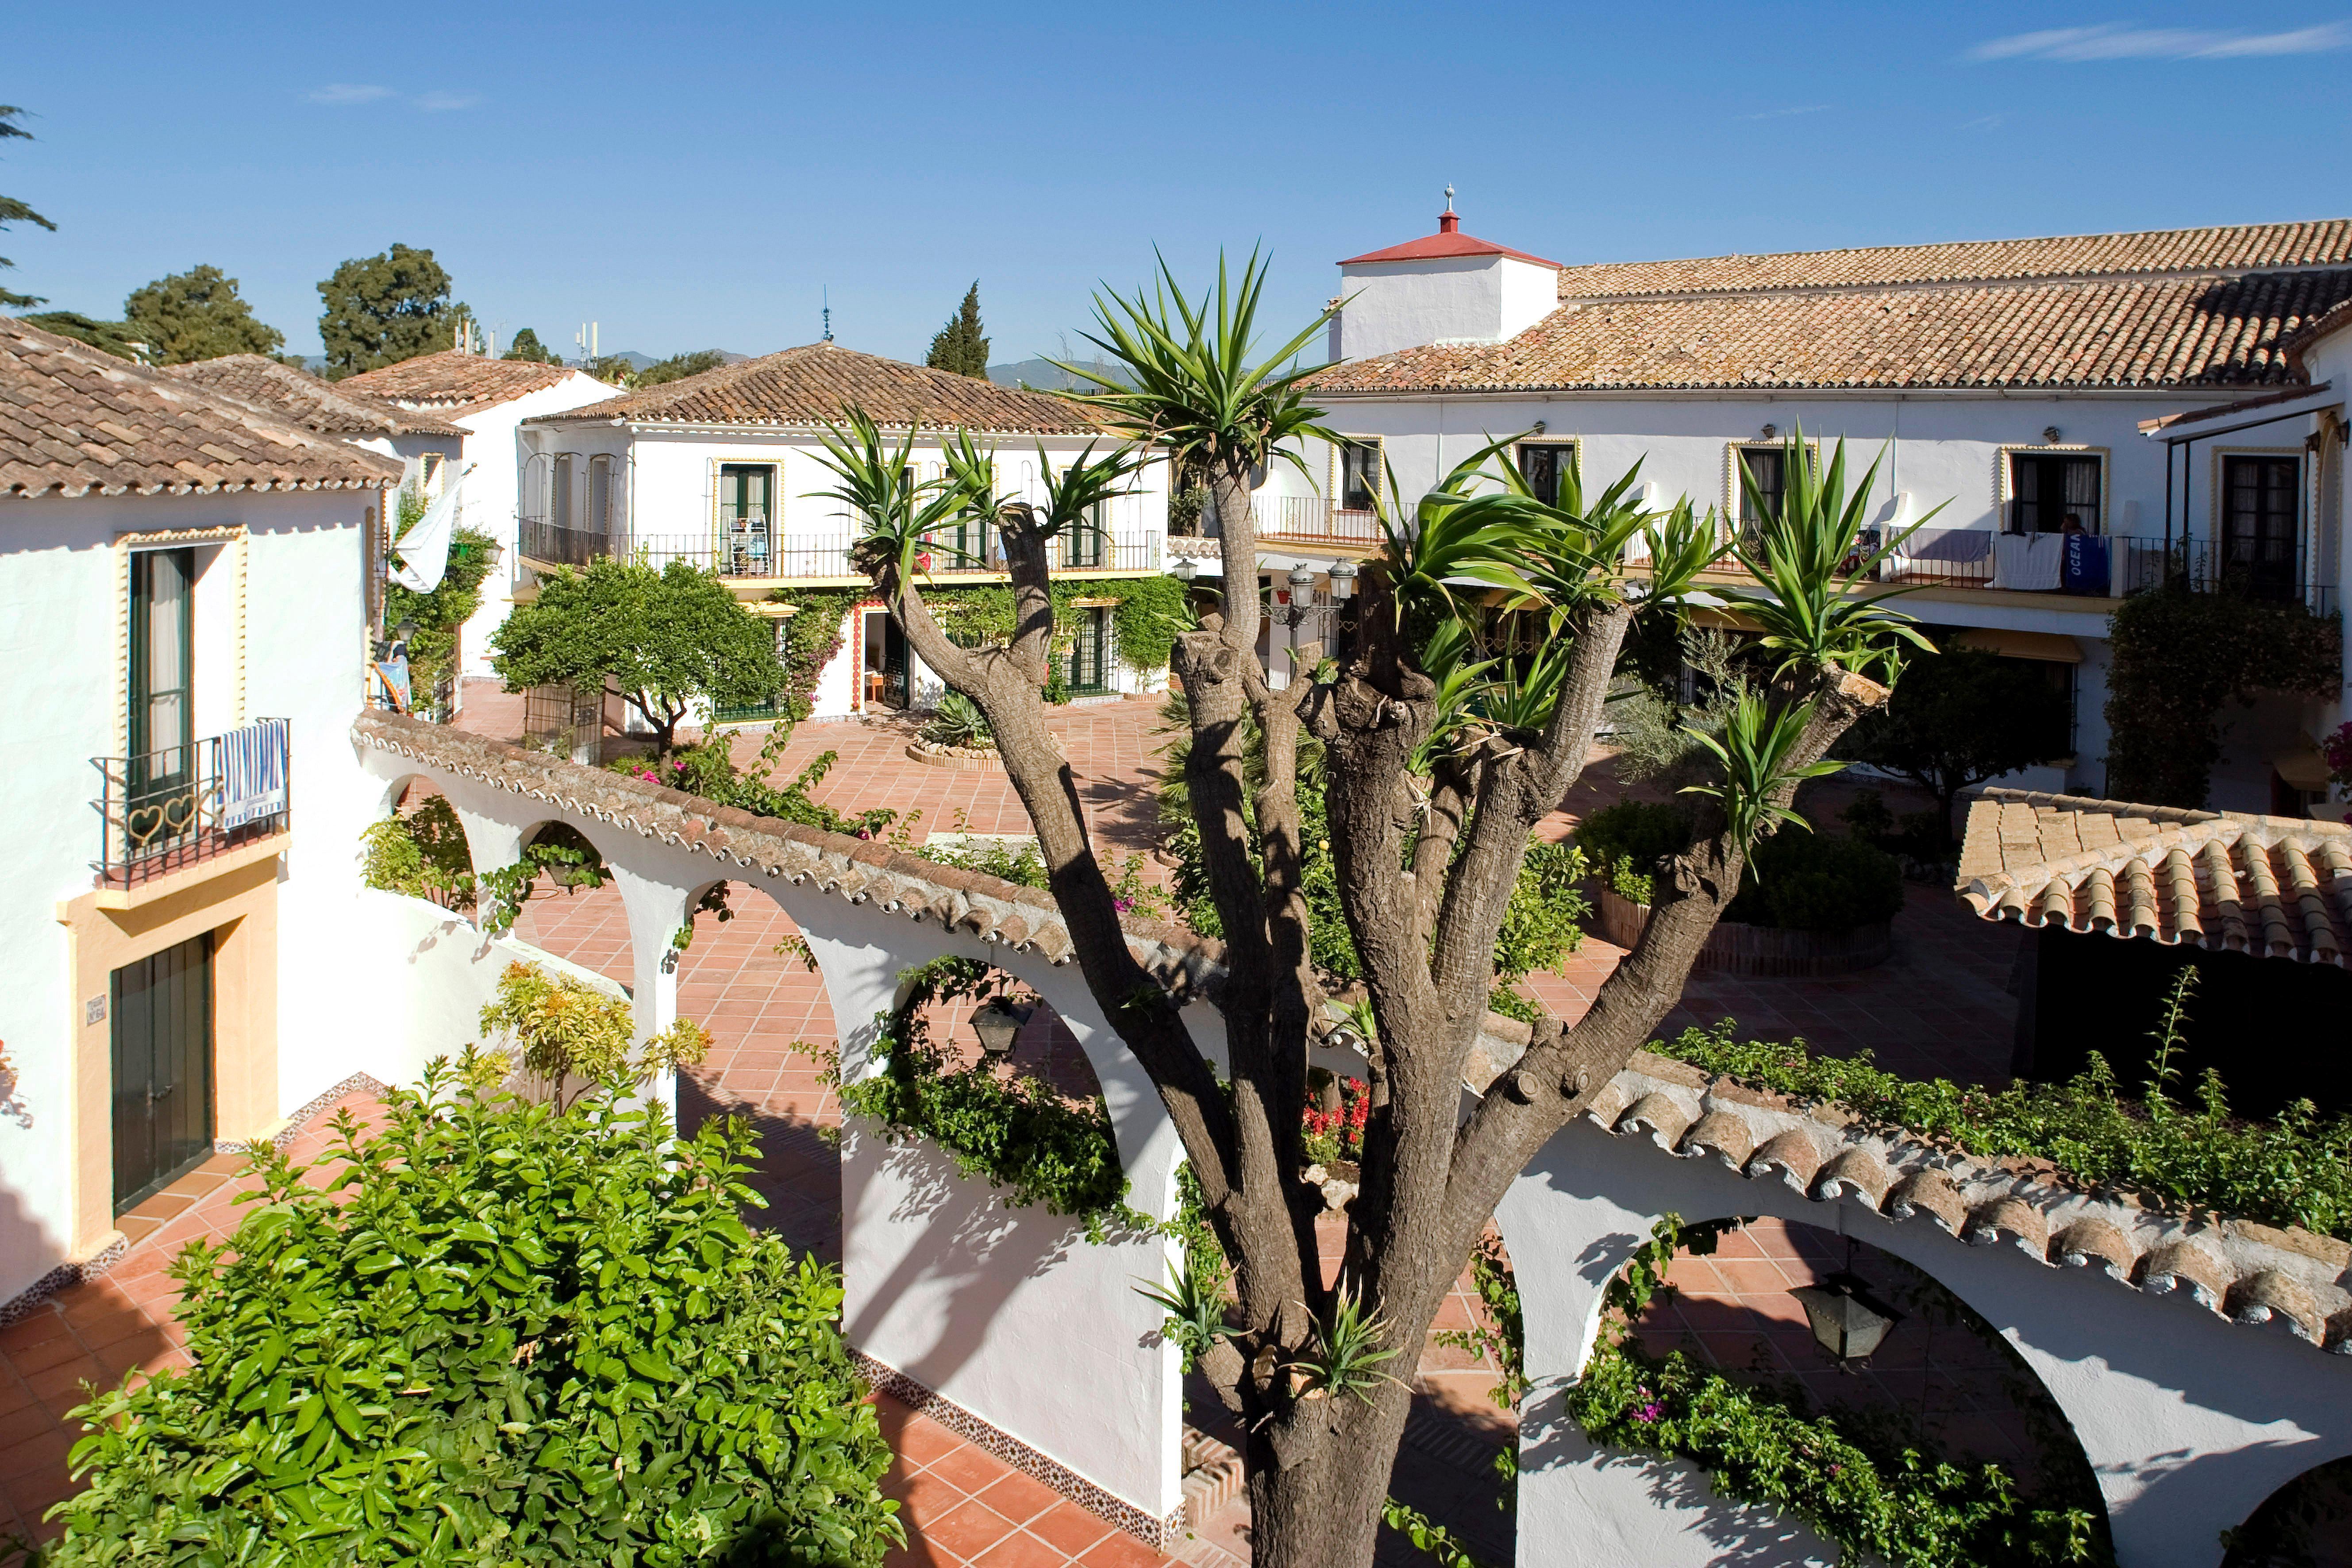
1444	287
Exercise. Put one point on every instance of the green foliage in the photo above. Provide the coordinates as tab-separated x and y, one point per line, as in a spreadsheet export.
677	367
507	1334
194	315
381	310
708	770
526	348
1543	922
1346	1356
1427	1534
1652	731
1807	555
1190	377
1963	716
115	338
958	722
1500	1339
1184	510
1150	613
439	615
1627	842
2178	656
667	639
811	635
563	1029
2295	1170
1815	881
13	211
424	854
1759	1445
1753	749
1014	1132
1194	1300
961	346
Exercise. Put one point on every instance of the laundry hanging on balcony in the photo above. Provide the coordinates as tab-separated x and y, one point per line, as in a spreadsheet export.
253	773
421	555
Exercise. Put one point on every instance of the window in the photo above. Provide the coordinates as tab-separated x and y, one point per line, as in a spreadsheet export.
1766	481
746	516
162	694
559	491
2049	491
1360	473
430	470
600	495
1544	464
1083	545
2259	531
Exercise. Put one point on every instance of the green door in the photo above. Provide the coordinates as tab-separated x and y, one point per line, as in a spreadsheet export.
1089	669
162	1010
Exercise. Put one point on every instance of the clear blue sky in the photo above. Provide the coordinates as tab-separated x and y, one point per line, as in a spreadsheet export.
692	176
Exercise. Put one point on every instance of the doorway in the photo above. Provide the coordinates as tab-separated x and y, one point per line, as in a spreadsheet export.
882	681
2261	525
162	1011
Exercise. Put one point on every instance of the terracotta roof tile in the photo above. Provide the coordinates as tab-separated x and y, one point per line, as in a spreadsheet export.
2119	332
315	405
2242	248
73	420
450	380
819	382
2273	887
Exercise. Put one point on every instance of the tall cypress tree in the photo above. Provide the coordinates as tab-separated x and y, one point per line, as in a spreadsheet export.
961	346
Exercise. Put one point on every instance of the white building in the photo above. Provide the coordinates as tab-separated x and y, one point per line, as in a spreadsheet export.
176	568
724	469
2006	380
487	399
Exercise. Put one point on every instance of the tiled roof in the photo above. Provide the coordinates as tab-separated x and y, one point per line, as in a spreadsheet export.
2273	887
2242	248
450	380
310	403
820	381
1445	243
74	421
2121	333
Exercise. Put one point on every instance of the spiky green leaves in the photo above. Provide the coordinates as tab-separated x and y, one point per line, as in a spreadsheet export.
1756	752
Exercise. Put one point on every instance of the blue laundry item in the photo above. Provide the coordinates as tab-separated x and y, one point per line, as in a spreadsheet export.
2085	567
253	773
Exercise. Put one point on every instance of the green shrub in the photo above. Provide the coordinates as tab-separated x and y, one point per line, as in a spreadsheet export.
958	722
2295	1170
1816	881
708	769
1624	843
526	1336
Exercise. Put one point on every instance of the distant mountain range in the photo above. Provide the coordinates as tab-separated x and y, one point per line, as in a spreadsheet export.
639	361
1043	375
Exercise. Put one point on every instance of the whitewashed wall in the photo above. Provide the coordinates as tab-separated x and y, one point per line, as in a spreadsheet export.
302	660
493	489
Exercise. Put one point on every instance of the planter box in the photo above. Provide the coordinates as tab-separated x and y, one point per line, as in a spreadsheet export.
1734	949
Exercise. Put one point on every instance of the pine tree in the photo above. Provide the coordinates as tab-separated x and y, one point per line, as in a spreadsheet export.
195	315
13	211
961	346
381	310
527	346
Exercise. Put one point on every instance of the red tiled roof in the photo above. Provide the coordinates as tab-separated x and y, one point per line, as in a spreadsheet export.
2242	248
2209	330
314	405
450	379
1447	241
74	421
821	382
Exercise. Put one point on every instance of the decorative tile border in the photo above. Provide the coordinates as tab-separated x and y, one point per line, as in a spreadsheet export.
1158	1533
65	1276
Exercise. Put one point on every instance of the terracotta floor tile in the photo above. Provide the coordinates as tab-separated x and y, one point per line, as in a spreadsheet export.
1021	1550
969	1531
1019	1498
1068	1528
968	1469
923	1440
1121	1552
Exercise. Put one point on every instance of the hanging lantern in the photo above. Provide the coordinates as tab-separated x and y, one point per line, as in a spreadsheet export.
1849	1321
997	1024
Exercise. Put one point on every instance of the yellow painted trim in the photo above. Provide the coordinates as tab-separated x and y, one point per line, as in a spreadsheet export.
1731	451
233	538
2002	495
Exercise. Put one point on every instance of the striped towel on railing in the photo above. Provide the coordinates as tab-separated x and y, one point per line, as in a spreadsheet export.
253	773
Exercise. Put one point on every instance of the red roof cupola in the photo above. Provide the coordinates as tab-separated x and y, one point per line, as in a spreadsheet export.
1449	240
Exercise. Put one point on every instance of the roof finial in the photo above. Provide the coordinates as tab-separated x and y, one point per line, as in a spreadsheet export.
1449	196
1447	221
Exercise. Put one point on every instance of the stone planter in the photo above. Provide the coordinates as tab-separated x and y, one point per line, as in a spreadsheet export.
1734	949
932	755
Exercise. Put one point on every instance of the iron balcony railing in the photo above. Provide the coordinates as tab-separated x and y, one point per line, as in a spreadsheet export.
185	805
558	546
1313	518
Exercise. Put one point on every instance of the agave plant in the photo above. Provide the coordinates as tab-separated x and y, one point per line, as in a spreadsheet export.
1347	1354
958	722
896	511
1194	1301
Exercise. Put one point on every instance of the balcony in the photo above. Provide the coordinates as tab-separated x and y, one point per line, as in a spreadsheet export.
1313	520
181	806
553	546
2107	566
753	553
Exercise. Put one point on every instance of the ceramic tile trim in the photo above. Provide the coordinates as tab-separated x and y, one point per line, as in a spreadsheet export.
1113	1510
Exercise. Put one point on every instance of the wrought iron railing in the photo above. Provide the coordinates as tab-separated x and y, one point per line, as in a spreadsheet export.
559	546
1315	518
2274	570
185	805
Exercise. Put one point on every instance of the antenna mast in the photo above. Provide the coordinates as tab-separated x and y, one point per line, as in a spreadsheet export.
828	313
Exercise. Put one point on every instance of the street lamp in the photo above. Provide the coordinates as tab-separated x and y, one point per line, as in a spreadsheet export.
1343	581
997	1024
1849	1321
1185	570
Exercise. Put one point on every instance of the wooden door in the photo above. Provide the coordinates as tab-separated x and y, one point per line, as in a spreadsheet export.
162	1010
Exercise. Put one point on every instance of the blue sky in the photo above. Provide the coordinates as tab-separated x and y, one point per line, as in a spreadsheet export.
691	174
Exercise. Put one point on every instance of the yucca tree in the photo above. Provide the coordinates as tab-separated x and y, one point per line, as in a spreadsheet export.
1438	767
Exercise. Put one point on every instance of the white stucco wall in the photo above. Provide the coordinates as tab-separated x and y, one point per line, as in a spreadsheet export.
1394	305
492	491
301	658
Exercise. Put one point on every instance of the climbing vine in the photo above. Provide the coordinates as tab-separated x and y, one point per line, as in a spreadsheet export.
2180	656
424	854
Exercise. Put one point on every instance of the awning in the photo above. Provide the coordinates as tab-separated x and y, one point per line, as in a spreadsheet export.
2303	770
2049	646
2271	408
